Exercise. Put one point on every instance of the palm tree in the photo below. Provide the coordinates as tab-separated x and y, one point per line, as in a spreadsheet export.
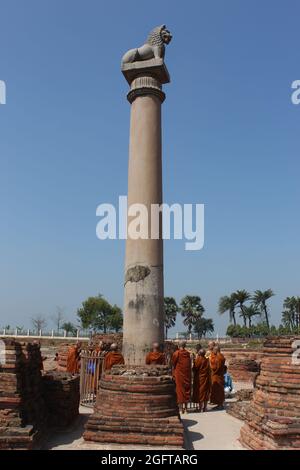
251	311
288	319
191	309
68	327
241	297
203	326
260	301
228	303
171	309
292	305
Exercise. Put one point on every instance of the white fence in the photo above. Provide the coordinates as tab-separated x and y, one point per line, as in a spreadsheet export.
43	334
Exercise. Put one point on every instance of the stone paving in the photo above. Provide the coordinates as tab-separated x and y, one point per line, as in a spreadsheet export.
214	430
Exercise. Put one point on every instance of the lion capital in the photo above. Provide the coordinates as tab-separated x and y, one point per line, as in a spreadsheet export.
154	48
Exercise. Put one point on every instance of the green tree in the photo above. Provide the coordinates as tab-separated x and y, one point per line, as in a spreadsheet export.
115	319
291	314
228	304
170	310
95	313
203	326
250	312
241	297
191	309
288	320
69	327
260	299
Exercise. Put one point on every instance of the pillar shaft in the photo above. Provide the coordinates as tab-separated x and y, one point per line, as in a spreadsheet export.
143	303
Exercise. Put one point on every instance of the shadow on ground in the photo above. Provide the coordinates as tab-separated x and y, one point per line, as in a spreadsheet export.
190	436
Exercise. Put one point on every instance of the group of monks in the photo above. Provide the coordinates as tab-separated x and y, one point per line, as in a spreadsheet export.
112	357
198	377
208	368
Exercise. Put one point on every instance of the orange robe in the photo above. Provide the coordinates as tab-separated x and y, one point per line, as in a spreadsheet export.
73	360
217	363
155	358
113	358
202	382
181	361
196	379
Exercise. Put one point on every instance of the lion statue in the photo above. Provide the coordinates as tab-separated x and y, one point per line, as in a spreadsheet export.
153	49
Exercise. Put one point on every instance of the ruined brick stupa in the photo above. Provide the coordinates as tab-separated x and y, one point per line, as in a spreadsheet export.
273	418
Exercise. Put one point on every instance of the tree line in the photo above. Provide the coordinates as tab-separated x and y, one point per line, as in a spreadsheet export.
251	307
192	310
98	315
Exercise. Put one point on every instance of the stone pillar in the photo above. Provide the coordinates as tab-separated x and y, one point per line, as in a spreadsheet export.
136	403
143	302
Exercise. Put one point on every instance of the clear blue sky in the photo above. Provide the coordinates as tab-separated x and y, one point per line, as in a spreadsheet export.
231	141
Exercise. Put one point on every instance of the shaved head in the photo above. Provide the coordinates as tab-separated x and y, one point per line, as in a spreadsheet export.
202	352
155	346
113	347
211	345
182	344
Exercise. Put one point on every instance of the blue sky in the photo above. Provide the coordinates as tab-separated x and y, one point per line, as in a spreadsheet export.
231	141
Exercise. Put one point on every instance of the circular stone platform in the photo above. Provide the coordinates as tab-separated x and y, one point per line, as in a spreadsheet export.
136	405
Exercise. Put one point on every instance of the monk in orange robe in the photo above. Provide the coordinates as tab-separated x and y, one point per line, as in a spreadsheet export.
210	349
202	380
195	369
73	358
205	381
155	357
217	363
113	358
181	361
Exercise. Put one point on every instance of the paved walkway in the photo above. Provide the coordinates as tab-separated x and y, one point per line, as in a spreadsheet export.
71	438
213	430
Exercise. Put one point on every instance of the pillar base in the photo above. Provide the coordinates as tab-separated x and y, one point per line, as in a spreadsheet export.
136	405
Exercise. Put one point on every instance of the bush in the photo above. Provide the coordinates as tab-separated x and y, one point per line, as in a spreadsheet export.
259	331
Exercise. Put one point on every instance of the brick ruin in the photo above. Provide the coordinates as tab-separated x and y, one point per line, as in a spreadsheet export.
61	392
25	407
22	406
136	405
243	370
243	364
273	417
62	358
239	408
